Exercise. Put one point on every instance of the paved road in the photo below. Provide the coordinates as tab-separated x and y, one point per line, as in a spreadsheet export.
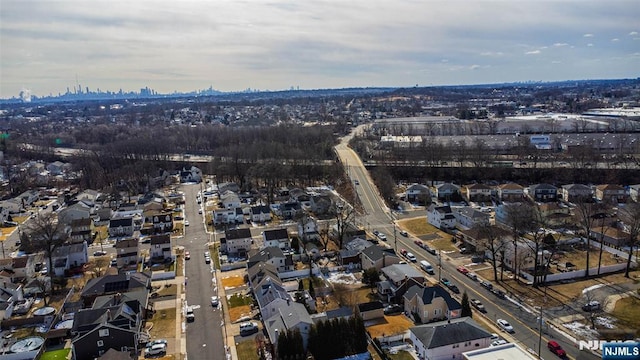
204	335
378	216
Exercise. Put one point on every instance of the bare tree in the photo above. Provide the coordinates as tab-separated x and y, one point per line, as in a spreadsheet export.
344	216
46	234
494	240
519	218
630	216
585	210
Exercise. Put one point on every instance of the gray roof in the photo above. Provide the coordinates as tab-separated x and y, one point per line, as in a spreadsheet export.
265	254
398	272
260	270
344	311
287	316
449	332
276	234
117	283
270	291
429	293
237	234
376	253
473	213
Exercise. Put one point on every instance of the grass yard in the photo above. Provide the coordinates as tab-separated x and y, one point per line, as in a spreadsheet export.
443	243
400	355
579	258
247	350
239	300
393	325
237	312
168	290
164	324
232	282
627	312
56	354
417	226
213	251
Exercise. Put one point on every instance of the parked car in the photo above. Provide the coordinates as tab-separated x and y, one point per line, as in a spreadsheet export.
462	270
404	233
498	342
215	301
591	306
248	328
411	257
186	223
113	263
382	237
376	232
454	288
100	253
504	325
429	249
555	348
418	243
393	309
207	260
187	255
191	317
155	350
472	276
499	293
487	285
445	282
157	341
478	305
356	182
403	252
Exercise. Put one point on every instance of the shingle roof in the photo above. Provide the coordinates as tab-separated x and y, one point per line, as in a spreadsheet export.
276	234
237	234
427	294
445	333
398	272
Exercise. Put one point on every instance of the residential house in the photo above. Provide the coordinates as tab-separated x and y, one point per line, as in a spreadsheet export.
121	227
511	192
543	192
82	230
259	271
160	248
441	217
343	312
270	295
320	204
396	276
371	310
77	211
447	192
575	193
113	322
113	284
157	221
378	257
555	214
288	317
611	193
4	213
418	193
634	192
260	214
228	216
290	210
431	303
230	200
448	339
477	192
23	267
228	186
192	174
90	195
278	238
10	295
127	253
610	235
58	168
69	256
238	241
13	206
28	198
468	217
273	256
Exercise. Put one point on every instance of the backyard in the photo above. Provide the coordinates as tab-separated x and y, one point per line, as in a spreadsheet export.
390	325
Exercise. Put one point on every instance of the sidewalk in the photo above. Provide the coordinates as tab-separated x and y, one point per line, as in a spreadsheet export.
227	332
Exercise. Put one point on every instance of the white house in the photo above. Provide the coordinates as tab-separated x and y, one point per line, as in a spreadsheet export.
238	241
260	214
228	216
446	340
278	238
160	247
69	256
468	217
441	217
230	200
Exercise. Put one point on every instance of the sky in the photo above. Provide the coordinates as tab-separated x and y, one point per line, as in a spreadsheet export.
231	45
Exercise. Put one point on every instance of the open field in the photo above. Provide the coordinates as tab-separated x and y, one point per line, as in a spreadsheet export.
164	324
232	282
390	325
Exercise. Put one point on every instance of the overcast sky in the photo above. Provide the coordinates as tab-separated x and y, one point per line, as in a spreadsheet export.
273	45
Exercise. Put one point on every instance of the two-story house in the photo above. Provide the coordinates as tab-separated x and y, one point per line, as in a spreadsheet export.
273	256
543	192
611	193
69	256
127	253
441	217
238	241
468	217
431	303
77	211
157	221
120	227
82	230
160	248
260	214
378	257
289	316
418	193
230	200
447	192
278	238
511	192
477	192
396	276
448	339
575	193
228	216
270	295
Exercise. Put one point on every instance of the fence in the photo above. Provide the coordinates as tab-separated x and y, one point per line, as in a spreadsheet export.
162	275
580	273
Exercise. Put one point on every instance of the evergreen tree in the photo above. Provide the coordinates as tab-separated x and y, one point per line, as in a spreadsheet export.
312	290
466	306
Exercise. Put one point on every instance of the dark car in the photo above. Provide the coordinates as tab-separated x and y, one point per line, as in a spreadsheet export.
429	250
591	306
487	285
393	309
404	233
454	288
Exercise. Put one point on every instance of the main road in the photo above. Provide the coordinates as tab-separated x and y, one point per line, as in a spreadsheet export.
204	335
378	216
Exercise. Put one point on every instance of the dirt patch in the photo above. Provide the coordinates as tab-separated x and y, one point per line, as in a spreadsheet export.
163	324
238	312
417	226
429	237
232	282
391	325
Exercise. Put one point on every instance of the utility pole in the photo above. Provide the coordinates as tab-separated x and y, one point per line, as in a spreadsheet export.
395	239
439	266
540	322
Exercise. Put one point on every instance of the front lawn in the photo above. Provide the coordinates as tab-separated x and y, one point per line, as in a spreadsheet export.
247	350
627	312
56	354
164	324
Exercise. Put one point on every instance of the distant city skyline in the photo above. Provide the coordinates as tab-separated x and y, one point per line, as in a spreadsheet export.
49	46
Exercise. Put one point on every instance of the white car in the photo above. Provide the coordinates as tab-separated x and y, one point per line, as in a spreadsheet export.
155	350
499	342
504	324
215	301
411	257
186	223
248	328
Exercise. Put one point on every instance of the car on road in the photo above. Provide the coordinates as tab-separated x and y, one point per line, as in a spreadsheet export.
411	257
504	325
100	253
113	263
555	348
499	342
472	276
382	237
207	260
429	249
393	309
591	306
404	233
356	182
418	243
445	282
200	211
155	350
376	232
403	252
462	270
499	293
191	317
215	301
487	285
186	223
187	255
478	305
248	328
454	288
44	271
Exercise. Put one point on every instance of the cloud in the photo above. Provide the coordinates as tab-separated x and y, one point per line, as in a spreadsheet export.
587	35
633	33
474	67
533	52
560	44
615	40
589	44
